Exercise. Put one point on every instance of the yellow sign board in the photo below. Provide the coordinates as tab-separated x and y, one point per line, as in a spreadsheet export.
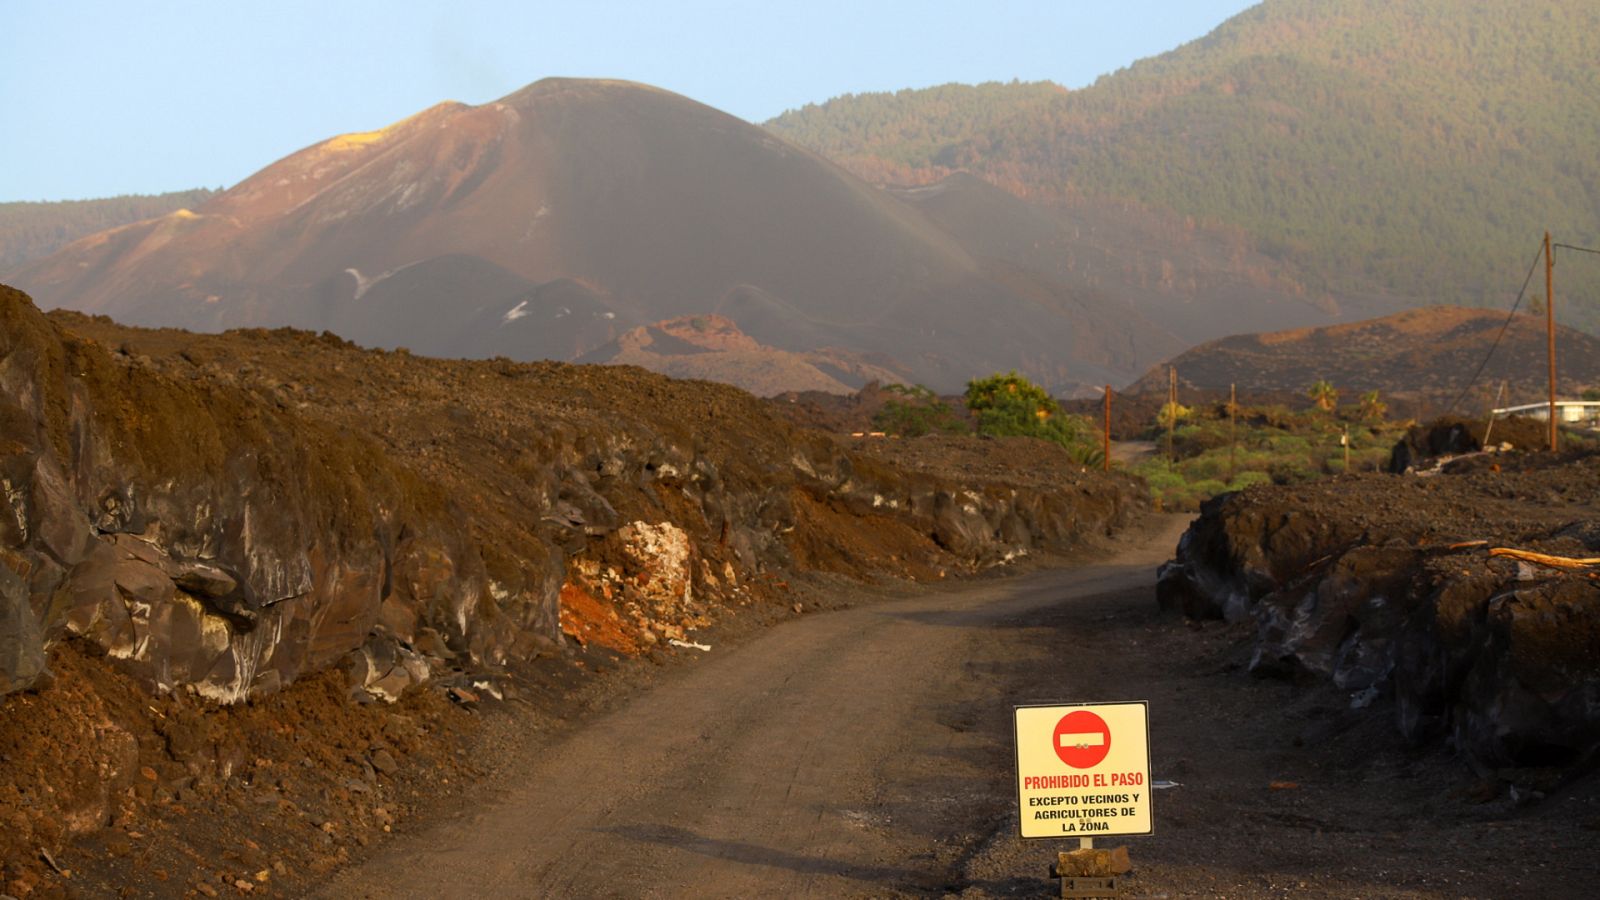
1083	770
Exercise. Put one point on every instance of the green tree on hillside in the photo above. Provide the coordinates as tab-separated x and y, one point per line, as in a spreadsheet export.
1006	404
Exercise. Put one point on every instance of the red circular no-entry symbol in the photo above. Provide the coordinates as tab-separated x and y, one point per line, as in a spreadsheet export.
1082	739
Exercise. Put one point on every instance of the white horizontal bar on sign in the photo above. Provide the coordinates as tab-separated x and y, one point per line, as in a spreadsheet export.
1093	739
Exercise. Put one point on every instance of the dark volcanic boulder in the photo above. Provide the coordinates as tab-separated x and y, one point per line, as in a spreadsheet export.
1237	552
1533	699
1441	437
211	537
1384	586
1341	621
1452	436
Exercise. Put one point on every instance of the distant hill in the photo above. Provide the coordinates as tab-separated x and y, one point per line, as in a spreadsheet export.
558	219
1429	353
712	348
1410	151
30	231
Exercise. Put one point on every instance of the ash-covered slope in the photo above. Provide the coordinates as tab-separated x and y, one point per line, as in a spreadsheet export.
551	221
230	511
714	349
1431	352
227	513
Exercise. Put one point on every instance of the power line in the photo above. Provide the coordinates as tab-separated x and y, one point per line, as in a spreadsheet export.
1579	249
1507	324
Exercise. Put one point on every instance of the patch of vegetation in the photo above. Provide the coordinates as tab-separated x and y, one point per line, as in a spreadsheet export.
916	411
1002	405
1009	405
1264	444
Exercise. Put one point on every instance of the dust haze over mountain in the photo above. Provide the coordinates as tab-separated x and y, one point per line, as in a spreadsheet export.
1397	153
553	221
1431	353
1198	283
1289	170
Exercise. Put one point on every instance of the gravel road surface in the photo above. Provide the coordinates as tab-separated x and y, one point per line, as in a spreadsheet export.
867	752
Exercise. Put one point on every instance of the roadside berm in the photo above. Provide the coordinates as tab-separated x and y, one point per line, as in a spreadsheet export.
1465	601
265	534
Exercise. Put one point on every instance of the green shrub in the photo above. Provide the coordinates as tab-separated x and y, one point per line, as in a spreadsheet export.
1257	460
1204	468
1205	490
1008	405
1273	445
920	412
1163	481
1292	471
1249	479
1288	444
1371	459
1193	440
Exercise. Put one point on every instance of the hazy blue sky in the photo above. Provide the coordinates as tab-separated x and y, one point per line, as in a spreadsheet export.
143	96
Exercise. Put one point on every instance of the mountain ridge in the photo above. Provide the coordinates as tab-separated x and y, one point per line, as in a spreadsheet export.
31	230
1412	151
635	204
1433	353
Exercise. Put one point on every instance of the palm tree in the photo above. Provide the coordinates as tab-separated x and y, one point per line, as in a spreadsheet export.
1324	395
1372	408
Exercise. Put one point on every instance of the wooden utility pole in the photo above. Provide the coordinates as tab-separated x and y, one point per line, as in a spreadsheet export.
1172	411
1233	429
1108	429
1550	329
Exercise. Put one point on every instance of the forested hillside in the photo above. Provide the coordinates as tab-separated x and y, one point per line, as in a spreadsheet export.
1411	147
30	231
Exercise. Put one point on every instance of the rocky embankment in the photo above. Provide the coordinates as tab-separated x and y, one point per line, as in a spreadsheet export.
1386	585
220	515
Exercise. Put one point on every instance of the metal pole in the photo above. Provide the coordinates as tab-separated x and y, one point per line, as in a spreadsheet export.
1550	329
1489	428
1108	429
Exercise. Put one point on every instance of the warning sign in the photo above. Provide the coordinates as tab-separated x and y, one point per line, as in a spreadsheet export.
1083	770
1082	739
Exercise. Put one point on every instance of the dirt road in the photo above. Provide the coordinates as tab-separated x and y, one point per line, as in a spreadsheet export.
867	752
